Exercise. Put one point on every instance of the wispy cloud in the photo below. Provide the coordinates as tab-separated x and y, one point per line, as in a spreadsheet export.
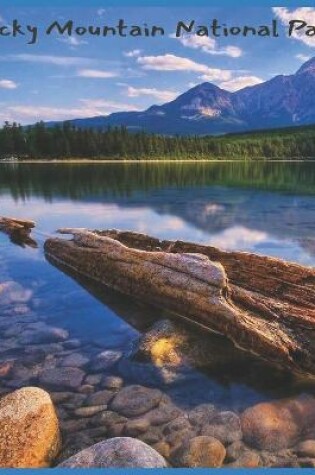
240	82
132	54
160	95
208	45
170	62
34	113
73	41
96	74
106	107
7	84
306	14
302	57
101	12
49	59
85	108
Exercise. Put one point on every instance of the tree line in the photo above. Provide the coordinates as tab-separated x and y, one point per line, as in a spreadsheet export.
66	141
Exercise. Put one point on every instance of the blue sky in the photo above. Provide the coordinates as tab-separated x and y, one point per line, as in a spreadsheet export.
62	78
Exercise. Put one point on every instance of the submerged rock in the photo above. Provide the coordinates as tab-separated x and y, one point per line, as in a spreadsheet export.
43	334
5	368
120	452
175	344
62	378
135	400
177	425
199	451
89	411
73	445
163	414
306	449
100	397
76	360
29	431
248	459
72	344
277	425
225	426
105	360
202	414
112	382
135	427
109	419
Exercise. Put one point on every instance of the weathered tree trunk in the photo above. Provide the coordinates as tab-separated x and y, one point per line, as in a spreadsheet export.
19	230
264	305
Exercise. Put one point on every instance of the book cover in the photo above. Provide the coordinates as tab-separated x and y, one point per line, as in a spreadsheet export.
157	238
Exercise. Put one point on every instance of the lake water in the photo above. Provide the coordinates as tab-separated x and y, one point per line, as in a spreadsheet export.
266	208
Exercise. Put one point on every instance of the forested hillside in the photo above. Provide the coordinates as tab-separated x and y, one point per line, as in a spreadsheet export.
67	141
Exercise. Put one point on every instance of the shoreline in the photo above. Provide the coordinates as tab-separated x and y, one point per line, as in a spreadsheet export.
168	160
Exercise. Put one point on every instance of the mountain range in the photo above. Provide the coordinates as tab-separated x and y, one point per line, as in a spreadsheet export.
283	101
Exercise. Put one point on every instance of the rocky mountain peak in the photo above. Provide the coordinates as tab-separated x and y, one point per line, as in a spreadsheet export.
307	67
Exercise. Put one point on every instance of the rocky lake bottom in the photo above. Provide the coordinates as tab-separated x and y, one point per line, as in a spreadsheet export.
151	391
116	368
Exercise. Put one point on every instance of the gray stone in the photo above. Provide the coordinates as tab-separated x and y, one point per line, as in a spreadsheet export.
43	336
48	349
116	430
121	452
108	419
86	389
73	445
105	360
112	382
202	414
73	425
62	378
176	425
163	414
135	400
72	344
151	436
178	438
234	451
76	399
135	427
76	360
60	396
100	397
22	374
93	379
89	411
225	426
96	432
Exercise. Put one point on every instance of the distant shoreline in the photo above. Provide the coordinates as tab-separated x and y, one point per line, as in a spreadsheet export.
167	160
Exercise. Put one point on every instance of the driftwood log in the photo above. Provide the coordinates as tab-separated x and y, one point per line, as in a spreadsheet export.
264	305
19	230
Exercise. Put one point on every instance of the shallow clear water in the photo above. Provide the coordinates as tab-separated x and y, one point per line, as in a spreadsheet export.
262	208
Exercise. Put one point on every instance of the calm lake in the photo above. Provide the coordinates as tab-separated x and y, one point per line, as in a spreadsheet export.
265	208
